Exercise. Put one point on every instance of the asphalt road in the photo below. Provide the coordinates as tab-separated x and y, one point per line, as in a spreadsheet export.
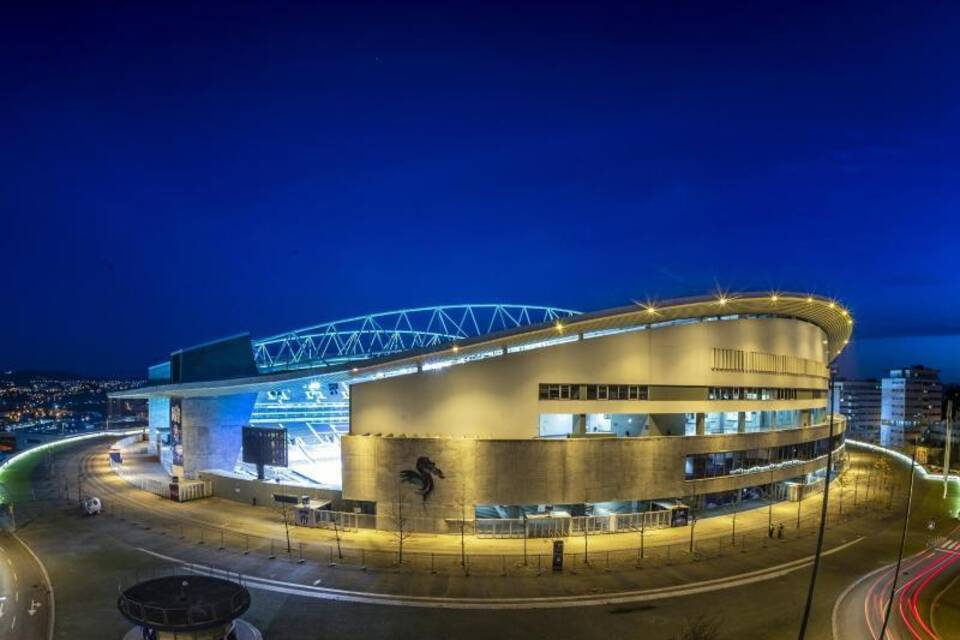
925	576
87	565
24	595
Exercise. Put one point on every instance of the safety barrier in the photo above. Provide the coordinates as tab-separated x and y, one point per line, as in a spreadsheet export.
186	489
566	526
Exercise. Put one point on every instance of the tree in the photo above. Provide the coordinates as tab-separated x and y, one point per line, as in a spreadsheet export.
336	532
462	505
283	510
843	480
882	466
700	628
401	522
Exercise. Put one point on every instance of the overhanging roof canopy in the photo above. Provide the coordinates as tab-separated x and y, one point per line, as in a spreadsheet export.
826	313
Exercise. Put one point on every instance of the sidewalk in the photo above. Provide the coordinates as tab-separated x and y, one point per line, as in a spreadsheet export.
231	524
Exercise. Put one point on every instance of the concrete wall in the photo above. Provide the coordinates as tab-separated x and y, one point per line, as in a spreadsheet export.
212	431
158	412
498	397
233	487
535	471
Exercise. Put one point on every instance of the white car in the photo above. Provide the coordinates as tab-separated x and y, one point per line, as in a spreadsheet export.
91	506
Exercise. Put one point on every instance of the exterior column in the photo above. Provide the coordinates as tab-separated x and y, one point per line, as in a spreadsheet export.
701	424
579	424
742	422
804	417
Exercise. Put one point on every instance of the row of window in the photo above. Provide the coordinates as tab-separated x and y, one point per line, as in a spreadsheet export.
641	392
729	463
755	393
593	392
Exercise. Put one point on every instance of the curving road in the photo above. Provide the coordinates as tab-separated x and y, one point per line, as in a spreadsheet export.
25	598
923	577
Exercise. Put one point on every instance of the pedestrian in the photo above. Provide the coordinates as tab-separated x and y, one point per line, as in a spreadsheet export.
770	531
780	532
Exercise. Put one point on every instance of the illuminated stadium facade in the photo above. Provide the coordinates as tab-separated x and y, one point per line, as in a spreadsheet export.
522	413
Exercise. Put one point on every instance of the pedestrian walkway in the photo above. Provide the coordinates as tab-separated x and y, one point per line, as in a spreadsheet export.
262	529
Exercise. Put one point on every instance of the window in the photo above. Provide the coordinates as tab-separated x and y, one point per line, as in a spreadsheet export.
593	392
713	465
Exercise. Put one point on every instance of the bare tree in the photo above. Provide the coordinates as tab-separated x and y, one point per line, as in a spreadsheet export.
700	628
882	465
462	505
336	533
401	522
843	479
283	510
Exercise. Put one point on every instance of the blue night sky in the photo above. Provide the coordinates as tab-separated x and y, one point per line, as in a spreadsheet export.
171	177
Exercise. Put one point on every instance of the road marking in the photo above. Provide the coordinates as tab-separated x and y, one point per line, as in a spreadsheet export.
547	602
13	624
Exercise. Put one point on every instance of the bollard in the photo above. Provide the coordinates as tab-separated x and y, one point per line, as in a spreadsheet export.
432	569
220	548
363	559
272	554
246	544
201	536
331	563
300	561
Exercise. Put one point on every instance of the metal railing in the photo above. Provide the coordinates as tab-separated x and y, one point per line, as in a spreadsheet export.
188	490
576	525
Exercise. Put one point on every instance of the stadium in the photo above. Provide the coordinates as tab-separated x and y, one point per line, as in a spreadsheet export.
518	418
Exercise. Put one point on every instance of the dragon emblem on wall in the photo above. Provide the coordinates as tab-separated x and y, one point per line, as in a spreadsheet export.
422	476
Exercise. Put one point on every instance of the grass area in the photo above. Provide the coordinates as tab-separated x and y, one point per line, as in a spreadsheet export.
17	477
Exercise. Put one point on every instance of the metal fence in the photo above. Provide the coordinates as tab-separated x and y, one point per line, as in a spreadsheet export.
647	551
576	525
188	490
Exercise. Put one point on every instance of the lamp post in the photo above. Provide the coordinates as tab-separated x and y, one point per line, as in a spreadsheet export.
903	537
770	502
524	516
823	521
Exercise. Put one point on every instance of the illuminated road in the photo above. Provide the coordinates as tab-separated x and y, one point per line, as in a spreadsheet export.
26	604
924	575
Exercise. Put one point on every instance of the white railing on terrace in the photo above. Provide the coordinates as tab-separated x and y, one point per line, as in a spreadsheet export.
560	526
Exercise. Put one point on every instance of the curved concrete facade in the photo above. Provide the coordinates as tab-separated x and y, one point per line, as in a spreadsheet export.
478	421
498	397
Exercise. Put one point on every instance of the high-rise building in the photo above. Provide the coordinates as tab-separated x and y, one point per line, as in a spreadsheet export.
859	401
910	400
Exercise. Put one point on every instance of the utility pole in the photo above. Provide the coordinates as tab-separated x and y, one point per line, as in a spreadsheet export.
903	537
770	501
80	483
524	514
946	449
823	521
586	560
736	505
643	523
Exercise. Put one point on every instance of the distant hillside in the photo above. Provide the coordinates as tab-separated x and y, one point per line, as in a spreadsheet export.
25	375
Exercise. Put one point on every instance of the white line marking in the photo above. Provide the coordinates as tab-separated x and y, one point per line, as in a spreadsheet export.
548	602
